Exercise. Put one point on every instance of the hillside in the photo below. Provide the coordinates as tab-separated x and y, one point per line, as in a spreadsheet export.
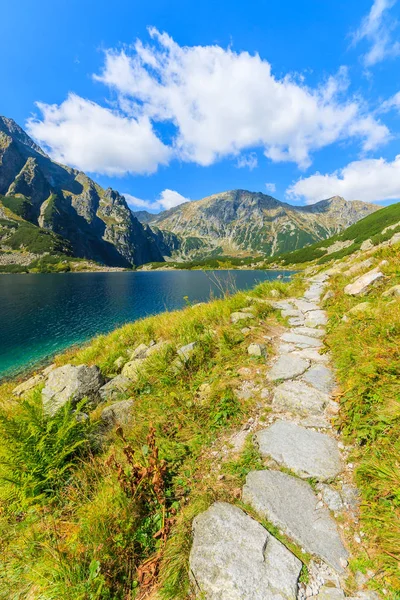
159	485
366	233
248	223
97	223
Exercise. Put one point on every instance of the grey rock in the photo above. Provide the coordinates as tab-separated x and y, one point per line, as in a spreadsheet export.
328	296
119	412
234	558
359	266
395	239
119	363
306	306
311	354
315	422
393	291
257	350
321	378
291	313
350	496
288	366
290	504
331	497
245	330
27	386
131	369
115	387
310	331
363	284
300	398
73	383
140	351
157	347
316	317
307	453
296	321
240	316
301	341
185	352
330	593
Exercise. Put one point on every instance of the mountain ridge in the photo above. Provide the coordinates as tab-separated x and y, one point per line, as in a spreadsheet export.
99	226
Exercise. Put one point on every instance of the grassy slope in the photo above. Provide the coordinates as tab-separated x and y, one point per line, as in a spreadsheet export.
77	514
368	228
366	354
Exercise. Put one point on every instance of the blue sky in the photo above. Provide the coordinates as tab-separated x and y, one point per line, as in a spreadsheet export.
167	101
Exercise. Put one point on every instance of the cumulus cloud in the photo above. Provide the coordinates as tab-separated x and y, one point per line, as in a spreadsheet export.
222	102
248	161
214	102
377	28
167	199
370	180
270	187
87	136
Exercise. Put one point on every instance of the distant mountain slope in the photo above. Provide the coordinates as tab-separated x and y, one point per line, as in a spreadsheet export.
240	222
370	231
97	222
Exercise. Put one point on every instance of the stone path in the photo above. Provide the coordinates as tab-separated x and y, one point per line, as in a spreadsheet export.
231	557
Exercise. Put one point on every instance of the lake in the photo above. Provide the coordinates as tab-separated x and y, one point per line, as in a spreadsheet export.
43	314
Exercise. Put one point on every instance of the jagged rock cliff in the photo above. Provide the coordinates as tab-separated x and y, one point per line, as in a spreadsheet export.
241	221
97	223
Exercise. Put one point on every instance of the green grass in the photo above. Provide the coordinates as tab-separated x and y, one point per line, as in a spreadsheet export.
366	355
368	228
98	534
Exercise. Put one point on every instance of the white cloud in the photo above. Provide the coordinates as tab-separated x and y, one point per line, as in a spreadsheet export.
219	103
223	103
87	136
377	28
270	187
167	199
391	103
248	161
370	180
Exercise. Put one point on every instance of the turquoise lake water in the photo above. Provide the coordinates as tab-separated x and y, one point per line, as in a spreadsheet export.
43	314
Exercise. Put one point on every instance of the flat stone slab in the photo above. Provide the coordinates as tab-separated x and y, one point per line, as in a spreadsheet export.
307	453
234	558
309	331
290	504
300	398
321	378
301	341
311	354
363	284
288	366
306	306
316	317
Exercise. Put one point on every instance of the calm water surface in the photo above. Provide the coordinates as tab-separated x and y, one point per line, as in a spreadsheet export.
41	315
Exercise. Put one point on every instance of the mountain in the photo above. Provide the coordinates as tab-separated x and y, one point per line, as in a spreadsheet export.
96	223
39	195
242	222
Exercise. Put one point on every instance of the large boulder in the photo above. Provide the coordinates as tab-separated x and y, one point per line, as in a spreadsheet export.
307	453
363	284
290	504
73	383
234	558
